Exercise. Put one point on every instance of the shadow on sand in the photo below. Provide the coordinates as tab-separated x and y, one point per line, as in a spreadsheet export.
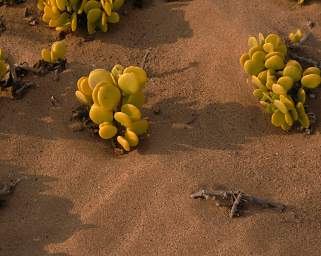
33	219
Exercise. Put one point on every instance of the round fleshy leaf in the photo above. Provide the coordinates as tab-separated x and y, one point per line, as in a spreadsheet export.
99	114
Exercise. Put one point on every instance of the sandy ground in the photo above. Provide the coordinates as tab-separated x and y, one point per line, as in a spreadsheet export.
80	200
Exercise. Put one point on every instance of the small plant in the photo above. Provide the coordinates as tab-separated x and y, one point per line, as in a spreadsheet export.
296	36
114	100
56	54
64	15
280	83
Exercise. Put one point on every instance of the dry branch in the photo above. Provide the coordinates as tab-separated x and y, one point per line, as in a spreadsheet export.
142	65
236	200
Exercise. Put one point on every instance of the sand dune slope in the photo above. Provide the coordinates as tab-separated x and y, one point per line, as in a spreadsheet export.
77	199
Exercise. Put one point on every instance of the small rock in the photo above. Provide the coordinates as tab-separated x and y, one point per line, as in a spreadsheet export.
33	22
308	131
53	101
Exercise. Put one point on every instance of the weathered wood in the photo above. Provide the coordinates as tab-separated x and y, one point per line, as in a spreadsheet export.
236	200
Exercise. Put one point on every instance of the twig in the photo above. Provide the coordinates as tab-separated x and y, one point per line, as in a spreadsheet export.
22	89
142	65
236	200
236	205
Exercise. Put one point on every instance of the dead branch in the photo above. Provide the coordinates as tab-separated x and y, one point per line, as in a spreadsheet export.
236	200
236	205
142	65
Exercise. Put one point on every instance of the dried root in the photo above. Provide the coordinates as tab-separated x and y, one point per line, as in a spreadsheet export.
236	200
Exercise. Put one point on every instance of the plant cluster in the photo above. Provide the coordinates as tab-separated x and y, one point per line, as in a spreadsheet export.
114	99
64	15
280	83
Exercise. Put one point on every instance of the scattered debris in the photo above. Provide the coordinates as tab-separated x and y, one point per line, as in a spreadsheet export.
54	101
235	211
33	21
236	200
7	189
2	24
10	85
40	68
156	110
81	114
11	2
148	51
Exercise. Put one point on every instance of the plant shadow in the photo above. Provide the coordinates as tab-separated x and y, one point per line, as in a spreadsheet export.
32	218
181	126
157	23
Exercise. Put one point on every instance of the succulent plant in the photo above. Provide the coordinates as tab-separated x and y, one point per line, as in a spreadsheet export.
280	84
64	15
115	99
55	54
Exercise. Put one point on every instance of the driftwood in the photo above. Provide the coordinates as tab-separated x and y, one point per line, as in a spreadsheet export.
236	200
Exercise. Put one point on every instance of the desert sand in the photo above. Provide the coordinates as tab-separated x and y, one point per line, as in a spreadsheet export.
78	199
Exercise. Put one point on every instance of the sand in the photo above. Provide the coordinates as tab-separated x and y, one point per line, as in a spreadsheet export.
78	199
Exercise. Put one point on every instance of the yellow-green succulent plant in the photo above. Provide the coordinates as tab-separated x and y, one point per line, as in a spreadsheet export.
296	36
64	15
56	53
114	99
280	84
